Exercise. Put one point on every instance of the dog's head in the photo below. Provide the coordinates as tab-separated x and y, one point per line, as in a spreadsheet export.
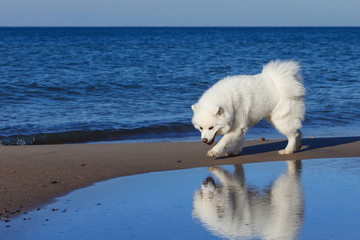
210	121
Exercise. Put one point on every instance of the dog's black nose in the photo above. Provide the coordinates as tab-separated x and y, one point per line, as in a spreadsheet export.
204	140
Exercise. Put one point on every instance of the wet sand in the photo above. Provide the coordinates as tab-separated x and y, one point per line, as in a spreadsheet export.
31	176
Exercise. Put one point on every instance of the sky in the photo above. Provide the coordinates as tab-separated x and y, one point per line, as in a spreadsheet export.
180	13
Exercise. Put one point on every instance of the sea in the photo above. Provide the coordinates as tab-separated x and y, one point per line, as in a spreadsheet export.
137	84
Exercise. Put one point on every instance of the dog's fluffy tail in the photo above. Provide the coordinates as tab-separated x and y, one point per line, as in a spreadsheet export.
286	78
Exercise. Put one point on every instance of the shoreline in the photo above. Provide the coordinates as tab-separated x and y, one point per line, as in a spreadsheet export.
33	175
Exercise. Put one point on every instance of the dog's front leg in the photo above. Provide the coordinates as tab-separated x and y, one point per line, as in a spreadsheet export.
237	146
231	144
223	176
220	147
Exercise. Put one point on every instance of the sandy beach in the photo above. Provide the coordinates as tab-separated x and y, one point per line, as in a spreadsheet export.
33	175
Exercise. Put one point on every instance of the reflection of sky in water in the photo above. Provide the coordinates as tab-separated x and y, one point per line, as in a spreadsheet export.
160	205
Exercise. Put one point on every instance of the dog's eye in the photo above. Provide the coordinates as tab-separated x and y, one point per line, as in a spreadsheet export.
210	128
200	128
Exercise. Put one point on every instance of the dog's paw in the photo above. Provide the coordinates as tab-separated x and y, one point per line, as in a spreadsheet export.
285	152
212	153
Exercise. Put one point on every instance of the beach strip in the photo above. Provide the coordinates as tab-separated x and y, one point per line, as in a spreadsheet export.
33	175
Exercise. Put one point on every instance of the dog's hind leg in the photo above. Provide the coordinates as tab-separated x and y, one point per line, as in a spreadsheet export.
294	143
291	129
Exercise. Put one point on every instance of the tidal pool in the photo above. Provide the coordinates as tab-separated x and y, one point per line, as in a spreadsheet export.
310	199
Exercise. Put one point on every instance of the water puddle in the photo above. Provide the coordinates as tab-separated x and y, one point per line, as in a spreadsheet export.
310	199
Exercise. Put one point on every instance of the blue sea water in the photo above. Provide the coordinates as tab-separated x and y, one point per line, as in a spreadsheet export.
69	85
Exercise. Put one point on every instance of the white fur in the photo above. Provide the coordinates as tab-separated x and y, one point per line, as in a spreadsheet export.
236	103
233	211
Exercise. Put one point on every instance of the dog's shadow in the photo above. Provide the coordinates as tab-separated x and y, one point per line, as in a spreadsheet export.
307	145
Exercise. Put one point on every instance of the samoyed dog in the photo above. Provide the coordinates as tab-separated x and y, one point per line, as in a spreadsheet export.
236	103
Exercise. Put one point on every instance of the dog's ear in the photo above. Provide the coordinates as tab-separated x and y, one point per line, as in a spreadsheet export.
220	111
193	107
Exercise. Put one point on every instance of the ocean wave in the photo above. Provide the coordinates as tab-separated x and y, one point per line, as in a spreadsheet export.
172	130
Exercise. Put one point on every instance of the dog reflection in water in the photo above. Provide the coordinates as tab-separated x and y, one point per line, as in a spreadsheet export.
231	210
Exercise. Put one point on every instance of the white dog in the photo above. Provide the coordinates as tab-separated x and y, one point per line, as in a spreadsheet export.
236	103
